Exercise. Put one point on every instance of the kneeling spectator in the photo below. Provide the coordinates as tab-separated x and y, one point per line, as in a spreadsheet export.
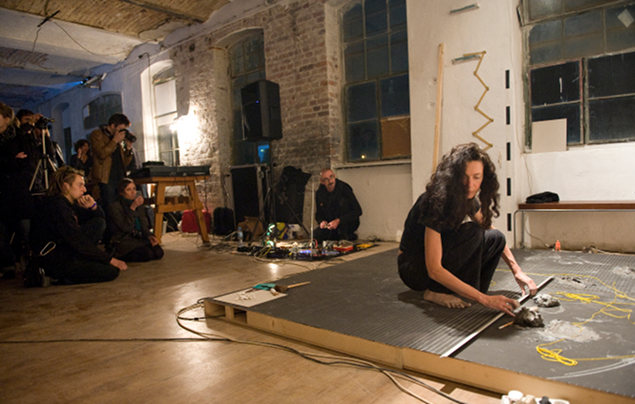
129	227
66	230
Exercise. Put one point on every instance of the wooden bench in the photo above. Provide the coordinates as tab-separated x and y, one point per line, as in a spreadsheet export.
569	206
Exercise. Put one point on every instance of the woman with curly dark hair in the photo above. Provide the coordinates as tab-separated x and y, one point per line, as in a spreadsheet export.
448	246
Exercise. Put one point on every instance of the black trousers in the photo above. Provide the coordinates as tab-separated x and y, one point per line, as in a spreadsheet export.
470	253
144	253
79	270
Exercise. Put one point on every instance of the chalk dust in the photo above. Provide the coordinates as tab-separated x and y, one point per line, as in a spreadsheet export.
557	329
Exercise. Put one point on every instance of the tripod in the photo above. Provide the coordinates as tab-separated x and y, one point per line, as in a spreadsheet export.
43	164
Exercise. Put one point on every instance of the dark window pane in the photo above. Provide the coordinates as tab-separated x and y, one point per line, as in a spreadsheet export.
546	31
237	60
399	52
376	17
612	119
362	141
583	24
612	75
98	111
546	54
554	84
354	62
375	6
395	99
353	23
570	111
583	46
618	40
361	102
377	56
614	17
397	13
542	8
572	5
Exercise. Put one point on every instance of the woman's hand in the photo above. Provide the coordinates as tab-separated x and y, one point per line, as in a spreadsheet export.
153	240
500	303
138	201
524	281
118	264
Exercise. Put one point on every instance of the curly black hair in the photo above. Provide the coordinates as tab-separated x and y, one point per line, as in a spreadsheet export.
446	202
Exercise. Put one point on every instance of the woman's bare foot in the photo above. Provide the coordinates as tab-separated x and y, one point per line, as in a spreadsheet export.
445	300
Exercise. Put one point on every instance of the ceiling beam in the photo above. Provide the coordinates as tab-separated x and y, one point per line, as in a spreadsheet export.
163	10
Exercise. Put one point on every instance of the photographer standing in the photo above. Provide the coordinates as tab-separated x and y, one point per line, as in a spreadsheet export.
111	145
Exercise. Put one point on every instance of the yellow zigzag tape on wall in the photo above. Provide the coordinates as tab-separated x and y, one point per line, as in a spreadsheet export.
477	108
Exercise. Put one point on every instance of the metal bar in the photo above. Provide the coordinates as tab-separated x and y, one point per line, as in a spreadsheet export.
484	326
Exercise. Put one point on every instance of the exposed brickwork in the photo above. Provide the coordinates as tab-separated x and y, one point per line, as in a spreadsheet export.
302	55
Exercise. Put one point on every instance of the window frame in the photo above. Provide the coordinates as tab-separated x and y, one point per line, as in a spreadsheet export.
394	36
585	124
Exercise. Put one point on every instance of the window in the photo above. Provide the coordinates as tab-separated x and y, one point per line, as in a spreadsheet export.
376	90
165	115
580	67
247	58
98	111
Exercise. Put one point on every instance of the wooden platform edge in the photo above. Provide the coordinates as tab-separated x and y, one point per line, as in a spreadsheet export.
457	370
503	380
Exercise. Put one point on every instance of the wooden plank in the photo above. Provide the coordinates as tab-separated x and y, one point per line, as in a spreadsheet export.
503	380
350	345
575	205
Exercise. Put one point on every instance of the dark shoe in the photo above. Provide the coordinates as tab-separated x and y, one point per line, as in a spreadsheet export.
35	277
8	273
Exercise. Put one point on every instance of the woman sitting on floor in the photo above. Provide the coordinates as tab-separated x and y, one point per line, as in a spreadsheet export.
449	249
129	227
66	229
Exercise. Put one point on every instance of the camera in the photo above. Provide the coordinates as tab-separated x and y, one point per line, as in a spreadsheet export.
43	123
129	136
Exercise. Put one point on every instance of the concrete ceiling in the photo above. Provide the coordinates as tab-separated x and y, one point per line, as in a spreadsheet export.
48	46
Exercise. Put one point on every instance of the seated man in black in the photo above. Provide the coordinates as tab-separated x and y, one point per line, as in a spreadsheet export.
337	210
68	225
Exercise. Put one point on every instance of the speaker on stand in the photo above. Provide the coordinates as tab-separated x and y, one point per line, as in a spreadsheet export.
261	122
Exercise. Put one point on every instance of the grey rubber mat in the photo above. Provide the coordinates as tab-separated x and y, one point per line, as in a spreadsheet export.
365	298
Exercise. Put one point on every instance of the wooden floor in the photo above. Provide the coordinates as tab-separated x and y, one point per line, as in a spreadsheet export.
119	341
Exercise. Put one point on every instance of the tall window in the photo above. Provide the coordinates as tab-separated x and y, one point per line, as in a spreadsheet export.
247	66
165	114
98	111
376	91
581	67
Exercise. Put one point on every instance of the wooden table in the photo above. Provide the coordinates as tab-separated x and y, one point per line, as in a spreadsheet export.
163	204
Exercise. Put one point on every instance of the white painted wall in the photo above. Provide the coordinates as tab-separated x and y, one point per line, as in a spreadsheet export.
583	173
383	191
492	28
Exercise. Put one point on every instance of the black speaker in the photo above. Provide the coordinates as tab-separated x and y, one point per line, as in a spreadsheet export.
261	111
249	186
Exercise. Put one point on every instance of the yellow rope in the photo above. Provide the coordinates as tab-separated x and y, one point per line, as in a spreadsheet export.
614	309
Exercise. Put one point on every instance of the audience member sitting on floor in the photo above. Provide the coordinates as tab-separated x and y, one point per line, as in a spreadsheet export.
69	225
129	227
82	160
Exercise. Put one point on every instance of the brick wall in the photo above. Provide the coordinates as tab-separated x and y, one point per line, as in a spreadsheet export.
302	55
